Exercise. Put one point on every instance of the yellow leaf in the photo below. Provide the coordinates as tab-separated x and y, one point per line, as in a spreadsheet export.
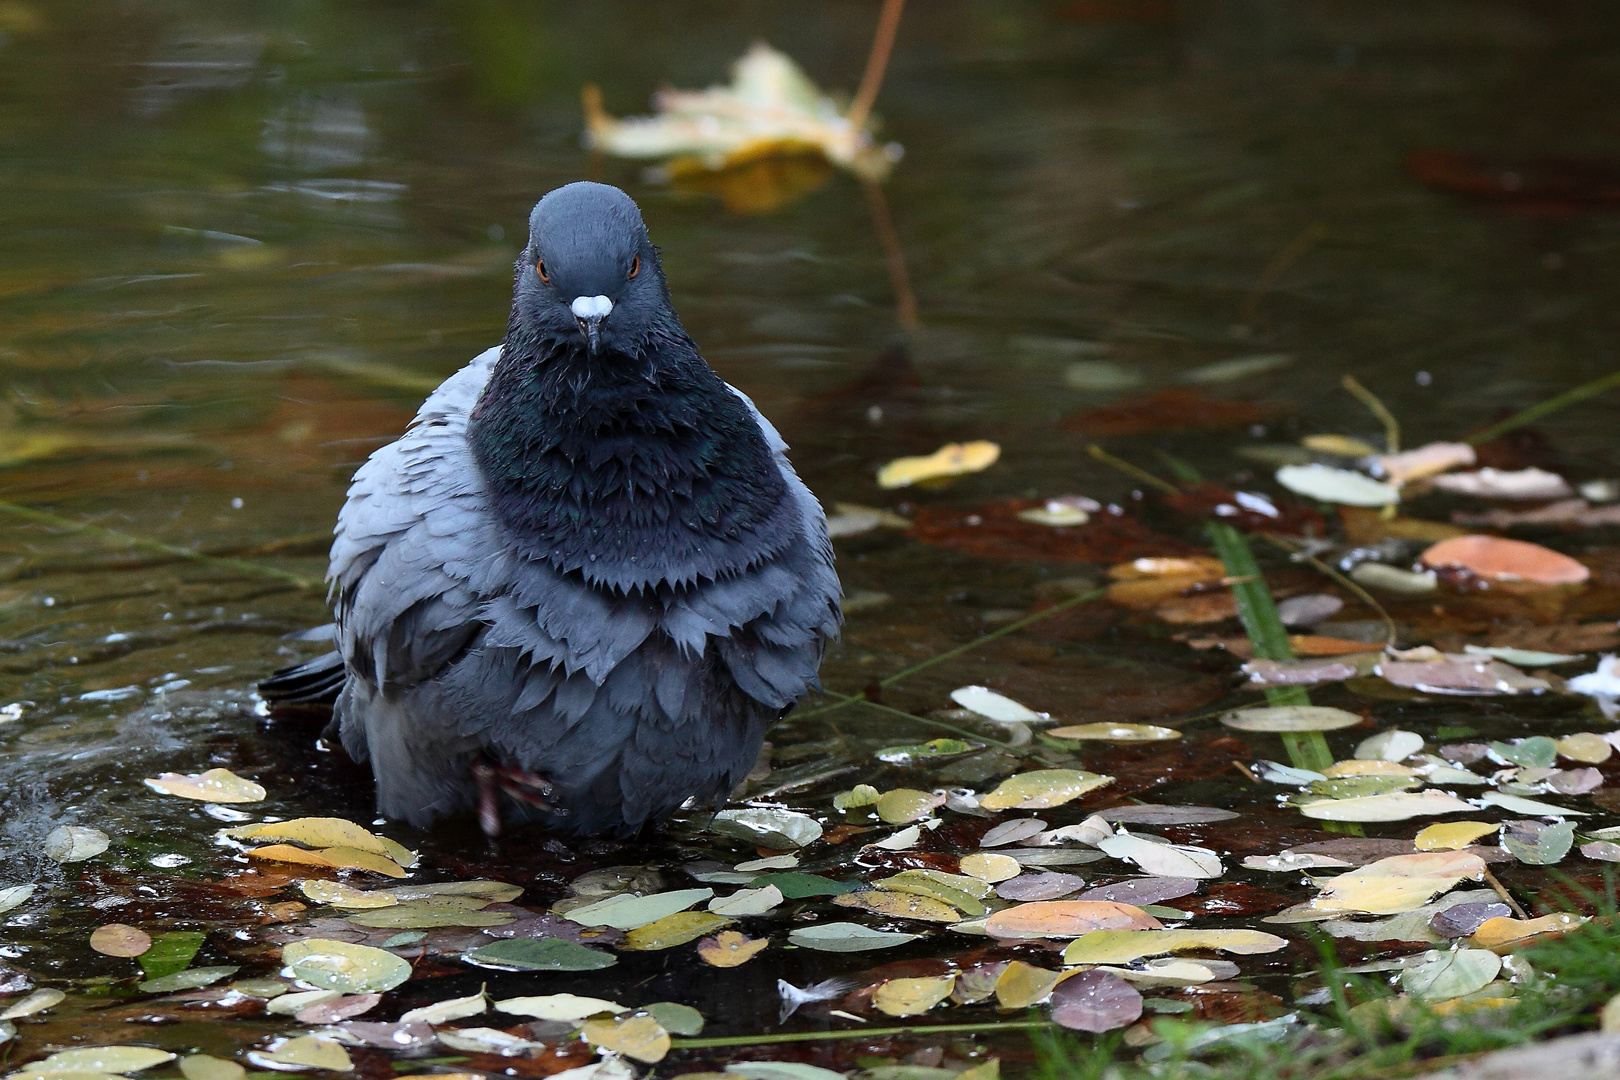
673	930
338	858
952	459
345	896
1496	932
988	866
899	905
1342	445
729	949
1451	835
1123	946
312	832
1585	747
912	997
1399	883
639	1037
1043	788
1068	918
215	786
1021	985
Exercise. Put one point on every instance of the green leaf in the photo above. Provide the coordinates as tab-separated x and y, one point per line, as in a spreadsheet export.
171	952
544	954
675	1018
795	886
189	979
915	753
1536	752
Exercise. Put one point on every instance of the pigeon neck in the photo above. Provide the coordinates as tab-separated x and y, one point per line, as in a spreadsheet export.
637	472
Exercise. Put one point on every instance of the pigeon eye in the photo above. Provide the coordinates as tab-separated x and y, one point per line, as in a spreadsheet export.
635	266
540	268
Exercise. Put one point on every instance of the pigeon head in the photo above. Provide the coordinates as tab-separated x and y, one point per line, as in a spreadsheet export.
589	275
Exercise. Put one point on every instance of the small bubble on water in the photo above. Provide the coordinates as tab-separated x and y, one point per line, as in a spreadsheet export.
1424	378
236	503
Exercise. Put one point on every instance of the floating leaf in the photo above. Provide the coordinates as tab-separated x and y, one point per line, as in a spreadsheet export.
322	832
1067	918
1451	835
1399	883
483	1040
1291	718
1523	657
1045	886
768	827
745	902
729	949
1551	844
13	896
101	1059
1396	806
1441	976
988	866
312	1052
920	753
781	1070
1495	558
171	952
73	843
798	886
345	896
116	939
1152	814
902	805
345	967
899	905
626	912
1327	484
208	1067
1392	745
336	1010
1583	746
442	1012
1392	579
1095	1001
639	1037
1043	788
215	786
859	796
1536	752
294	1003
1021	985
846	937
675	1018
1521	805
565	1007
337	858
37	1002
189	979
994	706
1494	933
950	460
1165	860
912	997
1123	946
1011	832
902	840
1115	733
544	954
673	930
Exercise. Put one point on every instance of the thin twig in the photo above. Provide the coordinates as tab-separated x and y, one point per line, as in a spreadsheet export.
1391	632
1131	470
1290	254
1507	897
877	62
42	517
894	256
1010	628
1551	405
857	1033
1392	426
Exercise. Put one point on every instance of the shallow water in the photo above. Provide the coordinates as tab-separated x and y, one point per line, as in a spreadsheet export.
243	241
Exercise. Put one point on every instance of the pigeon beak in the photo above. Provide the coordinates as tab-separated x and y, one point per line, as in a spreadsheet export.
590	311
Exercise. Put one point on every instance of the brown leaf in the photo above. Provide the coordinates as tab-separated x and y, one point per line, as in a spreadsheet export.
1174	409
993	531
1551	185
1095	1001
116	939
343	1008
729	949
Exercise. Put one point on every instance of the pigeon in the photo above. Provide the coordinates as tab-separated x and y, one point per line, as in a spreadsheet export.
586	581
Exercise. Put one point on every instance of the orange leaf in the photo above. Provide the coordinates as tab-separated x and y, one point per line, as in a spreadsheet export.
1068	918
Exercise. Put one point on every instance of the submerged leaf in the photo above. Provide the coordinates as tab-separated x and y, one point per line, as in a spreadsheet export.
1394	806
116	939
544	954
1286	718
1067	918
949	461
74	843
1165	860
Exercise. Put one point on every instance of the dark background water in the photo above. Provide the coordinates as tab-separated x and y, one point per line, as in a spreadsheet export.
241	242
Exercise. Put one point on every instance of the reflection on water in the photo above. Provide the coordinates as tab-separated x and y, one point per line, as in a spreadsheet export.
243	241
